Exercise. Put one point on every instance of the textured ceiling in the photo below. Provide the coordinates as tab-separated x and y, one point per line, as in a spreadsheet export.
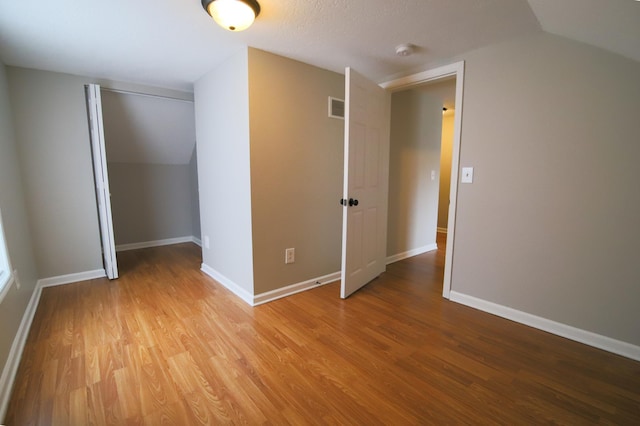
171	43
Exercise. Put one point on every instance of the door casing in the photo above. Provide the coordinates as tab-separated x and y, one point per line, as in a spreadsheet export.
452	70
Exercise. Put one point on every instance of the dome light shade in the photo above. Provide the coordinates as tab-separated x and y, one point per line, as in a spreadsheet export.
232	15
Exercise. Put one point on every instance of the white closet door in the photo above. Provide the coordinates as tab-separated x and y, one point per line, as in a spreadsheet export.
94	103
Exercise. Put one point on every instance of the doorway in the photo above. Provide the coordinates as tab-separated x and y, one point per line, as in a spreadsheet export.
456	71
149	169
420	169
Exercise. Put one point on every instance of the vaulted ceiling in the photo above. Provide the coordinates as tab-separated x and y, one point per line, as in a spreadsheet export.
171	43
147	129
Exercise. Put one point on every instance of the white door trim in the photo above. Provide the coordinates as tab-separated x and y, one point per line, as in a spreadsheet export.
456	69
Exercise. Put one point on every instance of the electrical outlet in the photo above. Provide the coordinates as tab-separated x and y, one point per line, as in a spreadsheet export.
206	241
16	279
290	255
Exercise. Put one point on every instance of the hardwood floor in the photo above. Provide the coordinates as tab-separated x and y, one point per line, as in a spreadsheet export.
165	344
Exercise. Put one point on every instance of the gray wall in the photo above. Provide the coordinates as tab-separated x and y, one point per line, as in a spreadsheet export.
150	145
550	224
16	227
224	175
195	195
416	132
53	146
296	170
53	143
150	202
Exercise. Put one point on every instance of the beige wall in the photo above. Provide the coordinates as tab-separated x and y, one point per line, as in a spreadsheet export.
550	224
416	120
224	175
445	168
17	233
296	170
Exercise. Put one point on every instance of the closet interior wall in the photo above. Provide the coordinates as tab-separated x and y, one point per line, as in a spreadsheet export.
151	160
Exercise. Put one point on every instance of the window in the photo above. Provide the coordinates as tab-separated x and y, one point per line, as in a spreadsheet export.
6	278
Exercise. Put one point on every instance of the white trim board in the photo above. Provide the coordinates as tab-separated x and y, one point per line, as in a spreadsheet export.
71	278
227	283
5	290
17	347
259	299
158	243
587	337
15	353
411	253
279	293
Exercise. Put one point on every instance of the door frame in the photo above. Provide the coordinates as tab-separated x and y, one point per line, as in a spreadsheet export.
452	70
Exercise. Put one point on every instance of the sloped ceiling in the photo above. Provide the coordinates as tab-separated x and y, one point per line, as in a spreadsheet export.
609	24
147	129
171	43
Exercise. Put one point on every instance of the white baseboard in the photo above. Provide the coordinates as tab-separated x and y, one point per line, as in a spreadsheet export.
411	253
71	278
158	243
587	337
197	241
441	230
226	282
269	296
15	353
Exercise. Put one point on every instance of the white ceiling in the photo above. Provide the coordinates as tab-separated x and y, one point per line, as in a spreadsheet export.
609	24
171	43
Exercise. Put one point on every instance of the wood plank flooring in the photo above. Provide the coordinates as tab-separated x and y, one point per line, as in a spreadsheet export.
165	344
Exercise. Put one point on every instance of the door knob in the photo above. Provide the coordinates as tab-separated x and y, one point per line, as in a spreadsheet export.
353	202
343	201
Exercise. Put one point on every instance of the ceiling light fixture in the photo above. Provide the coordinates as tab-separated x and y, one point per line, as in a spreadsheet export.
232	15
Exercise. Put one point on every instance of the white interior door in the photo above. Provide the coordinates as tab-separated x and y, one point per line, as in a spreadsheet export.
103	194
366	182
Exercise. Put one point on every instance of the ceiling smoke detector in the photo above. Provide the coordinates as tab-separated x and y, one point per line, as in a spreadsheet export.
404	49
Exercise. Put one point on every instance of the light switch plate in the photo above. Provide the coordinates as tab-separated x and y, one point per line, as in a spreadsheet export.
467	175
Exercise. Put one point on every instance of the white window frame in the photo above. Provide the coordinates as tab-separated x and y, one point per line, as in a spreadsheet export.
6	276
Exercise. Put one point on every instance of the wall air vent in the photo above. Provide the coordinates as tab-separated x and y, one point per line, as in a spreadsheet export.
336	108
